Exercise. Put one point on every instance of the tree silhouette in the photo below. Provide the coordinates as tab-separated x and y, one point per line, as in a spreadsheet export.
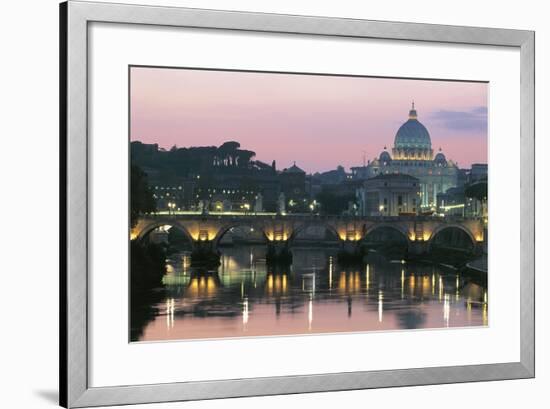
141	198
477	190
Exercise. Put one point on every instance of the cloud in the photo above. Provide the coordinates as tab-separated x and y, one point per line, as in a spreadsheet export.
474	119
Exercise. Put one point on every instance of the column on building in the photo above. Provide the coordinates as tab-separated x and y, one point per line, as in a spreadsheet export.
424	194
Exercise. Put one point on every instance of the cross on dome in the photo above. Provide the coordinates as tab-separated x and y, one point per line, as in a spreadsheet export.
412	135
412	112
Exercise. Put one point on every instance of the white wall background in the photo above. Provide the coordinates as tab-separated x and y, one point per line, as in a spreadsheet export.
29	201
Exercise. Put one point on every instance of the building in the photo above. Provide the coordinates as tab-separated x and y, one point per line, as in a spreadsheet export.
452	202
477	172
412	154
389	195
173	197
293	186
468	199
334	176
222	178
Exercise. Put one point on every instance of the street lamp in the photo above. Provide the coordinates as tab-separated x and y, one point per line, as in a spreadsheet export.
171	207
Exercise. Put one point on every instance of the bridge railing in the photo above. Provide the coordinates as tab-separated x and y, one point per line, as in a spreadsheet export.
298	216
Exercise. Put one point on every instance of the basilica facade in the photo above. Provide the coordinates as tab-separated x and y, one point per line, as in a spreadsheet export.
412	154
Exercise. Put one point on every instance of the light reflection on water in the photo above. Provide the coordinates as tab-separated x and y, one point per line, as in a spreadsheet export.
244	297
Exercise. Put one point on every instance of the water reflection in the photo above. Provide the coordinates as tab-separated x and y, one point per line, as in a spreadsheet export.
245	297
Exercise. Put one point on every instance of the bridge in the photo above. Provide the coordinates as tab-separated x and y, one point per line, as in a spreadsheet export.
282	230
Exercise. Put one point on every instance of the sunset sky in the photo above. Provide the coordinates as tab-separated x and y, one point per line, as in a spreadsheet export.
318	121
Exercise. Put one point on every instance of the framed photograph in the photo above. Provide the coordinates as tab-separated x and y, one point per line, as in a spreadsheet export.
258	204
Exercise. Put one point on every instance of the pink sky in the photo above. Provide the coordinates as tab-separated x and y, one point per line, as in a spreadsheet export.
318	121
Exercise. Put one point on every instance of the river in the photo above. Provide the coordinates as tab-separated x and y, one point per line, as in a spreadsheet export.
244	297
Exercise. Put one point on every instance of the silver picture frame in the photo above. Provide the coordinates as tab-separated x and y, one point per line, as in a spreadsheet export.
75	17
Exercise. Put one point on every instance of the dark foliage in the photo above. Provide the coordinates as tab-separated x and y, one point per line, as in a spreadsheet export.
147	267
332	203
477	190
141	197
178	163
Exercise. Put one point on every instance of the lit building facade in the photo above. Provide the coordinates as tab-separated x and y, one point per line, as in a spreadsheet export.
389	195
412	154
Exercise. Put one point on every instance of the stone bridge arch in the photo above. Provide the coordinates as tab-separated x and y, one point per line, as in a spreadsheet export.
146	226
403	229
226	227
419	233
315	223
446	226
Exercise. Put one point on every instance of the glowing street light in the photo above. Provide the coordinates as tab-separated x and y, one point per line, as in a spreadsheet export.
171	207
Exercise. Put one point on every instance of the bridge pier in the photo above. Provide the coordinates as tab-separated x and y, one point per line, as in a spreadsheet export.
480	247
205	254
418	247
350	251
278	252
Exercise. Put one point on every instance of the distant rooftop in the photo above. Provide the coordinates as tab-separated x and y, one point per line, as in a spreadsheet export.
293	169
393	176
